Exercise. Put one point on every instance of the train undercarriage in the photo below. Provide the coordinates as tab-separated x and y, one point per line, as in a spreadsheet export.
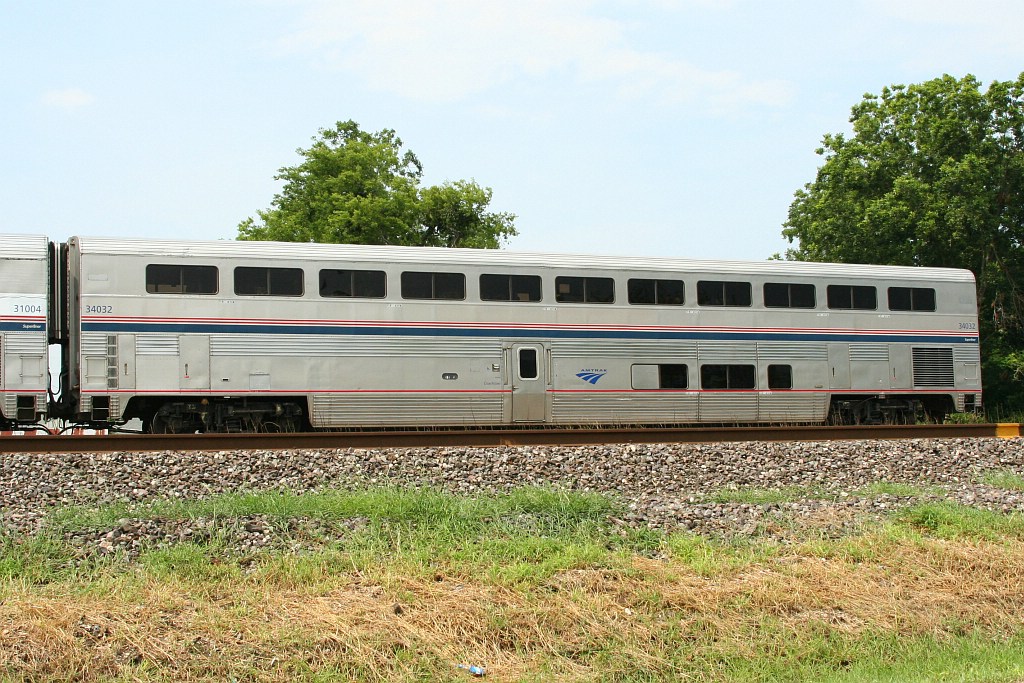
220	415
895	410
174	415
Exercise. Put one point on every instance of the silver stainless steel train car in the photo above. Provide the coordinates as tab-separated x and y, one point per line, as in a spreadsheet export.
225	336
24	278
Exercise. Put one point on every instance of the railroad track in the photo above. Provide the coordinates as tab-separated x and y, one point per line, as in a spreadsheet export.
484	438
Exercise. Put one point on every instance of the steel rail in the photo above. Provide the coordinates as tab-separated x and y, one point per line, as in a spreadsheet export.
127	442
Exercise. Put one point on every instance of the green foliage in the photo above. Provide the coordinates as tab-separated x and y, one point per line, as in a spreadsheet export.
964	419
932	176
357	187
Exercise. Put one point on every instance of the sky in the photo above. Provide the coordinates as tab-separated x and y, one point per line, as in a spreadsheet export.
675	128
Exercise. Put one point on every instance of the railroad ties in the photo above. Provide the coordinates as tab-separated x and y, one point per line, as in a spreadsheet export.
99	442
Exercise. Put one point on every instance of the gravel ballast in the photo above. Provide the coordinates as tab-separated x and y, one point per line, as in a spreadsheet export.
664	486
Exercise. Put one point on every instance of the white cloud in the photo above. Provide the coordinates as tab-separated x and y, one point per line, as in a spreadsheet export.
68	98
447	49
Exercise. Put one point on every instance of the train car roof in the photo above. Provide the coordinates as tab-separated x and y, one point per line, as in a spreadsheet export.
278	251
23	247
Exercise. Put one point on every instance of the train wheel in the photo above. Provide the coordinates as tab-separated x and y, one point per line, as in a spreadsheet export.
159	425
163	424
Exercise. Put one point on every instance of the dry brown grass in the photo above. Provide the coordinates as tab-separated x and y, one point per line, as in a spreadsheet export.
655	615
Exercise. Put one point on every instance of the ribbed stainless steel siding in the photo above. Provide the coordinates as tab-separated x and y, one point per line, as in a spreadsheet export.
650	407
156	344
94	344
25	344
338	410
307	345
30	247
633	349
869	352
802	351
727	352
728	407
963	353
786	406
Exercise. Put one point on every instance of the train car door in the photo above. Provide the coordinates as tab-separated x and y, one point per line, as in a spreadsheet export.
529	382
126	361
899	367
839	366
194	362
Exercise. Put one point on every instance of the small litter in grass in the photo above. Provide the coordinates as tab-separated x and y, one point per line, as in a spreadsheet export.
473	669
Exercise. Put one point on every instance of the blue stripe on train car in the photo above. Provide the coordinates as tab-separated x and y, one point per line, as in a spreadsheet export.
539	333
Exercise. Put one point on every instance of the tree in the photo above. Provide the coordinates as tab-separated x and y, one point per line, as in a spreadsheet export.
356	187
933	175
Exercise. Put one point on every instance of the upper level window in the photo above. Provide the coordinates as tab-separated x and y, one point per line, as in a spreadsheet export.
911	299
510	287
369	284
450	286
718	293
860	297
788	295
591	290
268	281
180	279
666	292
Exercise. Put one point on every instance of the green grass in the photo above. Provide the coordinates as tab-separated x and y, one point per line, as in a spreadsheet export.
787	494
971	657
420	505
525	535
707	557
551	583
950	520
829	657
1003	479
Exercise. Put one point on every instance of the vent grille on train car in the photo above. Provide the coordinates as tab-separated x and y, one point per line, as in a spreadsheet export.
112	361
933	367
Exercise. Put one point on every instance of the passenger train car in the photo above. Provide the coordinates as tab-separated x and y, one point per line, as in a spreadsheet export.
250	336
24	283
216	336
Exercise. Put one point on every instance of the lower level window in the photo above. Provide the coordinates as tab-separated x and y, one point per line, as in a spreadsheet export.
780	377
664	376
727	377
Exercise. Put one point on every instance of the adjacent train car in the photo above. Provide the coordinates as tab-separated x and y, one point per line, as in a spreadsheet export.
24	278
250	336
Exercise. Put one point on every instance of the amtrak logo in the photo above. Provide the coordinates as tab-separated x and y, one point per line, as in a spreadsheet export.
591	376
